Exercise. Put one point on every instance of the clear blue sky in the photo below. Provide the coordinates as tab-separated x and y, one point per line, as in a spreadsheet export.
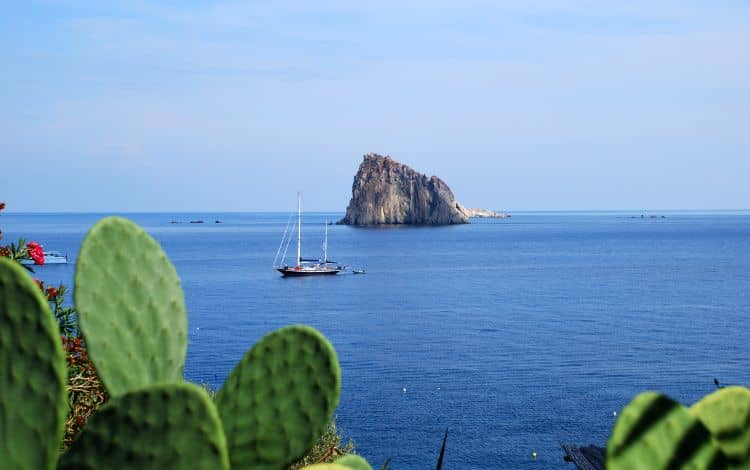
518	105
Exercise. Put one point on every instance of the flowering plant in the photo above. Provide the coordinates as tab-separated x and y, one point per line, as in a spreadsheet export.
22	250
35	252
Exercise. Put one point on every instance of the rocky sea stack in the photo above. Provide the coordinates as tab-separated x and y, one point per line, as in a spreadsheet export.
388	192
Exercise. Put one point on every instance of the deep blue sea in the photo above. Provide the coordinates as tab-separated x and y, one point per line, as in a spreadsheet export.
515	334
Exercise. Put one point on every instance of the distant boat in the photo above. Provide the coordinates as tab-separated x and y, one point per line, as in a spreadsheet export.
306	266
50	257
358	271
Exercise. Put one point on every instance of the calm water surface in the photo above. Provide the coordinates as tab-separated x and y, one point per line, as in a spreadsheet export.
515	334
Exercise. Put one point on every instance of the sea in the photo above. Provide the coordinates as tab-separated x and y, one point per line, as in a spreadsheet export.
515	335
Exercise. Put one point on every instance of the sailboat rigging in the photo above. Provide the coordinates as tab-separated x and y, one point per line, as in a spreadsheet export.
305	266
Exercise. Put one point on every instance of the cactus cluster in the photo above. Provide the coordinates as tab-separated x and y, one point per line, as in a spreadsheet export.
656	432
272	408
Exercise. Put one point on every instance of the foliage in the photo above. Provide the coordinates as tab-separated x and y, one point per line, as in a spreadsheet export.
65	316
136	333
353	462
294	373
162	426
726	414
286	387
656	432
21	251
84	389
32	385
328	448
86	393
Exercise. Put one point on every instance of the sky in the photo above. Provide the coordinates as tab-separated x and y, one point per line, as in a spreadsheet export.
237	105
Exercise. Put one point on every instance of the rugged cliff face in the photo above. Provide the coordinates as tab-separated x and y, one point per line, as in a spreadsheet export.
388	192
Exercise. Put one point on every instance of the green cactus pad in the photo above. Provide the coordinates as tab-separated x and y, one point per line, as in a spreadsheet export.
131	307
726	414
279	398
326	466
174	426
33	401
656	432
353	462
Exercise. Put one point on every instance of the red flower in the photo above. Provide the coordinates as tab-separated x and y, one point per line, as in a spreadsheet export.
5	251
51	293
39	284
36	252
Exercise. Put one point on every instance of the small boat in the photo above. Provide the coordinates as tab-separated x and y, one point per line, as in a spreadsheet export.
50	257
358	271
305	266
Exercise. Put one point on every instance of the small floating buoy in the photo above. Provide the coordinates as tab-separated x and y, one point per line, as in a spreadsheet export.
533	455
403	391
614	413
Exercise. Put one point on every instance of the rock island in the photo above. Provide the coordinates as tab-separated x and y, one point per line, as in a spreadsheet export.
388	192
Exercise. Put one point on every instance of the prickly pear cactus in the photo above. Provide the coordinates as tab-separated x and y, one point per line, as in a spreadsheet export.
279	398
656	432
326	466
131	307
173	426
353	462
33	401
726	414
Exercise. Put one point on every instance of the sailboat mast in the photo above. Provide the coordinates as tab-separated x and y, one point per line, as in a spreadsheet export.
325	245
299	229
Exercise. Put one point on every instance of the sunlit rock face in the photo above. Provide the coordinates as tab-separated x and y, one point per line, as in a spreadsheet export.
388	192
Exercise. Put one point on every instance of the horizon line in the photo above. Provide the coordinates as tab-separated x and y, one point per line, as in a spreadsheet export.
507	211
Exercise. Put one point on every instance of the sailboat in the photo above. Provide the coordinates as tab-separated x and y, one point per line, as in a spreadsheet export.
306	266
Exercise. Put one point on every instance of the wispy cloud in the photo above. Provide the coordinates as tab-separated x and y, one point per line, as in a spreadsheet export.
543	88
